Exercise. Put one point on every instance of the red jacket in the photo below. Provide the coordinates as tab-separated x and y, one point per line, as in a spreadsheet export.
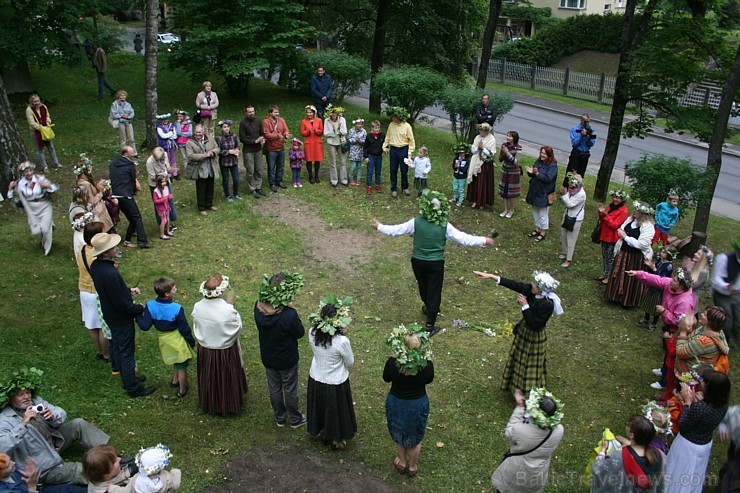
610	223
275	134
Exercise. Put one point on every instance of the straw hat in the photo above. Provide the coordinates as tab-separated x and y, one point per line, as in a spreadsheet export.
102	242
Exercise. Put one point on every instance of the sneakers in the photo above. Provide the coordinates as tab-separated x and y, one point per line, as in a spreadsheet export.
300	185
352	182
378	188
451	201
650	327
282	185
642	323
406	192
229	199
274	189
394	194
657	372
295	185
503	214
259	191
238	197
300	423
459	203
369	190
280	424
256	194
657	386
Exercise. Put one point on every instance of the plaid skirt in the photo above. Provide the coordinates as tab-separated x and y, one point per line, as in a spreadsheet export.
509	182
649	299
527	365
623	289
221	380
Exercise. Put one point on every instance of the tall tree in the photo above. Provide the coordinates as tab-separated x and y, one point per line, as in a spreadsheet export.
150	77
12	150
494	11
376	62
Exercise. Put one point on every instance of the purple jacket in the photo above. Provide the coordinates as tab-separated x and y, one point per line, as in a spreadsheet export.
675	304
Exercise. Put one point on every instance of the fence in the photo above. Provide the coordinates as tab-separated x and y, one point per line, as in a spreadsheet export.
580	85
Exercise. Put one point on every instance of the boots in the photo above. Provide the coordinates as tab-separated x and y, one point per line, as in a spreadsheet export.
310	172
316	172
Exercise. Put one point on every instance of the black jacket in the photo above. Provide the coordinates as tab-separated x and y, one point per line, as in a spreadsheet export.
279	332
540	309
373	144
249	131
122	175
486	114
116	303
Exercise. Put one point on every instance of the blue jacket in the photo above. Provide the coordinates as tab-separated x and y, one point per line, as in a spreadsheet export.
666	217
579	141
322	86
166	316
542	184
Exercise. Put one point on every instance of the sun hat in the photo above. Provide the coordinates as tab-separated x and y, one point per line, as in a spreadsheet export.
102	242
153	459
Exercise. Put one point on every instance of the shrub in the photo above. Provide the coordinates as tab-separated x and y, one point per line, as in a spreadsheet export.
461	101
413	88
654	175
110	35
348	72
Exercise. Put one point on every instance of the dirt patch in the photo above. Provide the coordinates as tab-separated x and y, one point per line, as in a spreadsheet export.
289	469
343	248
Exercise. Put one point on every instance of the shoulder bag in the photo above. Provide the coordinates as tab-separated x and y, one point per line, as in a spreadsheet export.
596	233
569	222
509	453
47	133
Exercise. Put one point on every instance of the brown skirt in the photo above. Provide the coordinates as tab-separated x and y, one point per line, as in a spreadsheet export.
623	289
221	380
481	189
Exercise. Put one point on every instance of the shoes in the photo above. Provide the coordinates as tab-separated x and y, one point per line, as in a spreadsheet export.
316	179
600	278
255	194
238	197
310	179
145	245
259	191
509	214
300	185
533	234
561	256
282	185
338	445
651	327
642	322
459	203
657	386
451	201
295	185
174	385
229	199
412	472
399	467
433	330
280	424
657	372
173	228
142	392
394	194
56	165
203	213
164	237
357	183
378	188
503	214
352	182
334	185
183	394
273	188
213	208
540	237
176	177
344	184
566	264
369	190
128	244
141	378
406	192
300	423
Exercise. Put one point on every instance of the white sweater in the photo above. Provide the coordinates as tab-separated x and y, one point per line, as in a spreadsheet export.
330	365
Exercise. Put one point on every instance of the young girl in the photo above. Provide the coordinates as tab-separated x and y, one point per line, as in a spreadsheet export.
666	216
296	156
162	196
511	173
153	476
184	130
167	140
373	152
654	296
460	167
422	166
356	136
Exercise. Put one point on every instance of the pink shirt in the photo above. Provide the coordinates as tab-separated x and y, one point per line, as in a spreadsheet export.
675	304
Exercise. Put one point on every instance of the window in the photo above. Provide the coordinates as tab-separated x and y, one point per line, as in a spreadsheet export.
573	4
607	7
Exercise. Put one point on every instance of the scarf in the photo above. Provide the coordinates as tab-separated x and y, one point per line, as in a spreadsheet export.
558	307
613	207
639	472
41	118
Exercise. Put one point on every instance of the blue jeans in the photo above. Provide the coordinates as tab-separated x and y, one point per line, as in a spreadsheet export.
397	155
103	82
275	165
374	166
279	381
296	174
458	189
355	168
234	171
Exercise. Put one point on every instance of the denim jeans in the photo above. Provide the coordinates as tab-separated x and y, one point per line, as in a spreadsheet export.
234	171
275	165
355	169
296	175
48	145
103	82
279	381
374	167
397	155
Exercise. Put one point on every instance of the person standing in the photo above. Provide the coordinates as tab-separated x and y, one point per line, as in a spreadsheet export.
399	144
202	152
228	159
207	103
481	185
431	232
582	139
574	199
542	177
119	311
252	137
100	63
124	185
138	44
276	133
486	112
122	113
167	140
322	87
37	116
33	192
335	130
726	289
312	129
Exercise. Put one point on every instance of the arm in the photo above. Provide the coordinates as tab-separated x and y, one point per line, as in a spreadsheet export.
330	89
214	100
346	352
145	321
548	174
184	327
615	219
114	111
396	229
461	238
268	132
575	135
389	369
516	418
31	119
519	287
159	199
411	141
652	280
644	240
537	317
718	273
297	326
306	128
685	305
314	87
692	347
194	153
576	200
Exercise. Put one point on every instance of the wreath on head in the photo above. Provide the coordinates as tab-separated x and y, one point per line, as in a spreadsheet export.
461	147
79	223
412	361
648	410
281	294
532	407
433	207
618	192
399	111
643	208
153	459
340	319
23	378
214	293
84	165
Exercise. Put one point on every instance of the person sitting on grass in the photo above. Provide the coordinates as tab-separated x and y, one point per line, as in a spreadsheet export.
106	472
25	480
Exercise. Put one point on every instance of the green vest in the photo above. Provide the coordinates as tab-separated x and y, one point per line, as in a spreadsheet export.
429	240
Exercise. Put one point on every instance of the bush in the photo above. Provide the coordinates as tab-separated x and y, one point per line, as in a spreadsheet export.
654	175
413	88
110	32
461	101
348	72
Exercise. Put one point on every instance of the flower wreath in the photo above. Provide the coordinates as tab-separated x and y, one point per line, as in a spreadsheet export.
411	360
433	207
84	165
707	254
281	294
214	293
24	378
153	459
79	223
107	187
618	192
648	410
545	281
682	275
532	407
164	116
574	178
334	109
341	320
643	208
460	147
401	112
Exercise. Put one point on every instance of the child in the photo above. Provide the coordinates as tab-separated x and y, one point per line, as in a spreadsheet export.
296	156
153	477
373	152
654	296
666	216
422	166
101	466
173	331
460	167
184	130
167	140
162	196
111	203
356	136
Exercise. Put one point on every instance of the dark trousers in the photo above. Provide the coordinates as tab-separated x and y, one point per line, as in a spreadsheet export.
283	388
204	192
275	165
135	222
374	167
122	353
234	172
578	162
103	82
397	155
430	274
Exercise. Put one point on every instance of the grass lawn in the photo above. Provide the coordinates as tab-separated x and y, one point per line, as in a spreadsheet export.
599	360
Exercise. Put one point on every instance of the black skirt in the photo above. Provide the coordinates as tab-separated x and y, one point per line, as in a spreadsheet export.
221	380
330	410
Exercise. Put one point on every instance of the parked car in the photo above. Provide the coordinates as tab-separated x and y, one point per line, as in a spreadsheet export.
167	38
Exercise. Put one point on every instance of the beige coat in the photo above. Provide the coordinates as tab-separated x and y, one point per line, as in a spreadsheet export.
202	104
198	159
526	473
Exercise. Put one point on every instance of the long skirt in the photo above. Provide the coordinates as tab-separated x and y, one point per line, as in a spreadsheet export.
330	410
481	189
407	419
41	221
686	466
221	380
526	367
649	301
623	289
509	182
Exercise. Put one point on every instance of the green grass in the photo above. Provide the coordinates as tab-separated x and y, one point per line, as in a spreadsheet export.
599	361
591	62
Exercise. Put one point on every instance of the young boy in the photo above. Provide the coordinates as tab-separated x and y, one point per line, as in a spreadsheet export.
666	216
175	338
373	152
460	166
101	466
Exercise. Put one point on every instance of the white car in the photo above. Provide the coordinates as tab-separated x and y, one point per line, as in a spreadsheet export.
167	38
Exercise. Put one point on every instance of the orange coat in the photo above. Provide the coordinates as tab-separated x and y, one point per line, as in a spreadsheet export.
312	145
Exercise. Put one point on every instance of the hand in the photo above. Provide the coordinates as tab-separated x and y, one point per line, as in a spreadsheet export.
659	308
486	275
687	394
11	185
47	414
115	201
386	152
135	292
375	223
323	98
288	136
519	397
230	298
649	263
601	208
137	185
631	273
31	474
490	241
522	300
367	160
529	169
28	416
563	190
621	233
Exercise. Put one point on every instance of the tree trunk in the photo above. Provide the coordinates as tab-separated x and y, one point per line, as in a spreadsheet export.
12	150
494	10
376	61
714	155
632	35
150	77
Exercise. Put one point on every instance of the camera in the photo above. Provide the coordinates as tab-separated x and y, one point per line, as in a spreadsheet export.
589	131
38	408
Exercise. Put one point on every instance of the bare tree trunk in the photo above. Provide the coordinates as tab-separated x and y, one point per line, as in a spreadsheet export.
12	150
150	81
714	155
632	35
376	61
494	10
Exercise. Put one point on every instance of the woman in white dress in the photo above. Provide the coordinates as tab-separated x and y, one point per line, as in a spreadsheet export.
33	192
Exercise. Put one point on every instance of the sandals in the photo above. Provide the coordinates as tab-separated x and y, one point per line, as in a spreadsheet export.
533	234
540	237
411	473
164	237
399	467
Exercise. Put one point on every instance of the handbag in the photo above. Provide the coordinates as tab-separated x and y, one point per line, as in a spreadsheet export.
47	133
205	114
551	198
596	233
113	122
345	146
569	222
